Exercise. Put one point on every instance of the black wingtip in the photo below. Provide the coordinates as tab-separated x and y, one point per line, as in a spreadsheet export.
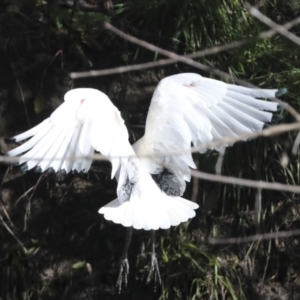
10	140
280	92
24	168
50	171
63	171
276	118
38	169
14	163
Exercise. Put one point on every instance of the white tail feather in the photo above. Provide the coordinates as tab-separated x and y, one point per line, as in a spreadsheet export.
148	207
162	212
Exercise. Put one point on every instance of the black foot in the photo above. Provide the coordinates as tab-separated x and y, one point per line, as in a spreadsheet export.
124	270
154	271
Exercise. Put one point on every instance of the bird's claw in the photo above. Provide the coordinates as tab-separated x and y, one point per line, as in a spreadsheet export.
124	269
154	270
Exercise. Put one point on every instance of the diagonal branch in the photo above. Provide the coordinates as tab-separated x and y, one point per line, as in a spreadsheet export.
255	237
280	29
205	52
193	63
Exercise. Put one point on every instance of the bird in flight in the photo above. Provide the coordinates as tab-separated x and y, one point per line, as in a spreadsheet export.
186	109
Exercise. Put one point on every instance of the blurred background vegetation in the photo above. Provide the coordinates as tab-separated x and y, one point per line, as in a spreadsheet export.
54	245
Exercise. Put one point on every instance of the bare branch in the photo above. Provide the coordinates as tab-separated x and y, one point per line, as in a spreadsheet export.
172	55
296	144
12	234
193	63
219	164
273	130
280	29
247	182
255	237
205	52
28	206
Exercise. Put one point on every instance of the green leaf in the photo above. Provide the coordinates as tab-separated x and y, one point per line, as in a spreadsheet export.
30	250
78	265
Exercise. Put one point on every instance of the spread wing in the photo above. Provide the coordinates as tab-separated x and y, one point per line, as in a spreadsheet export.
85	122
88	121
190	109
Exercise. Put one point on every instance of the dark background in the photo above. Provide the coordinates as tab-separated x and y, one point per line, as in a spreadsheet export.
66	250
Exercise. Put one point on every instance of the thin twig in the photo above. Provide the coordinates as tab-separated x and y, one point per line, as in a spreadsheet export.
219	164
1	200
247	182
59	52
23	195
296	144
195	189
256	237
23	101
28	206
12	234
257	207
21	94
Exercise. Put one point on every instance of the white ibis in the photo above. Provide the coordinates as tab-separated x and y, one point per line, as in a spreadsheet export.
185	109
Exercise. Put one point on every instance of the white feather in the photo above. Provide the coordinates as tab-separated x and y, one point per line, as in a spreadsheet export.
255	103
59	159
263	116
85	122
53	149
255	93
32	131
47	126
246	120
205	110
37	153
148	207
157	210
69	161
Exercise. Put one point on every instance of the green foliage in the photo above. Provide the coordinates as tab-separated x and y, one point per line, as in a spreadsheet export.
192	270
79	265
185	26
79	21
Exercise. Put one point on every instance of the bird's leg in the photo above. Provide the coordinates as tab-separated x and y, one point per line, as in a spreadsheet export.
124	265
154	269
